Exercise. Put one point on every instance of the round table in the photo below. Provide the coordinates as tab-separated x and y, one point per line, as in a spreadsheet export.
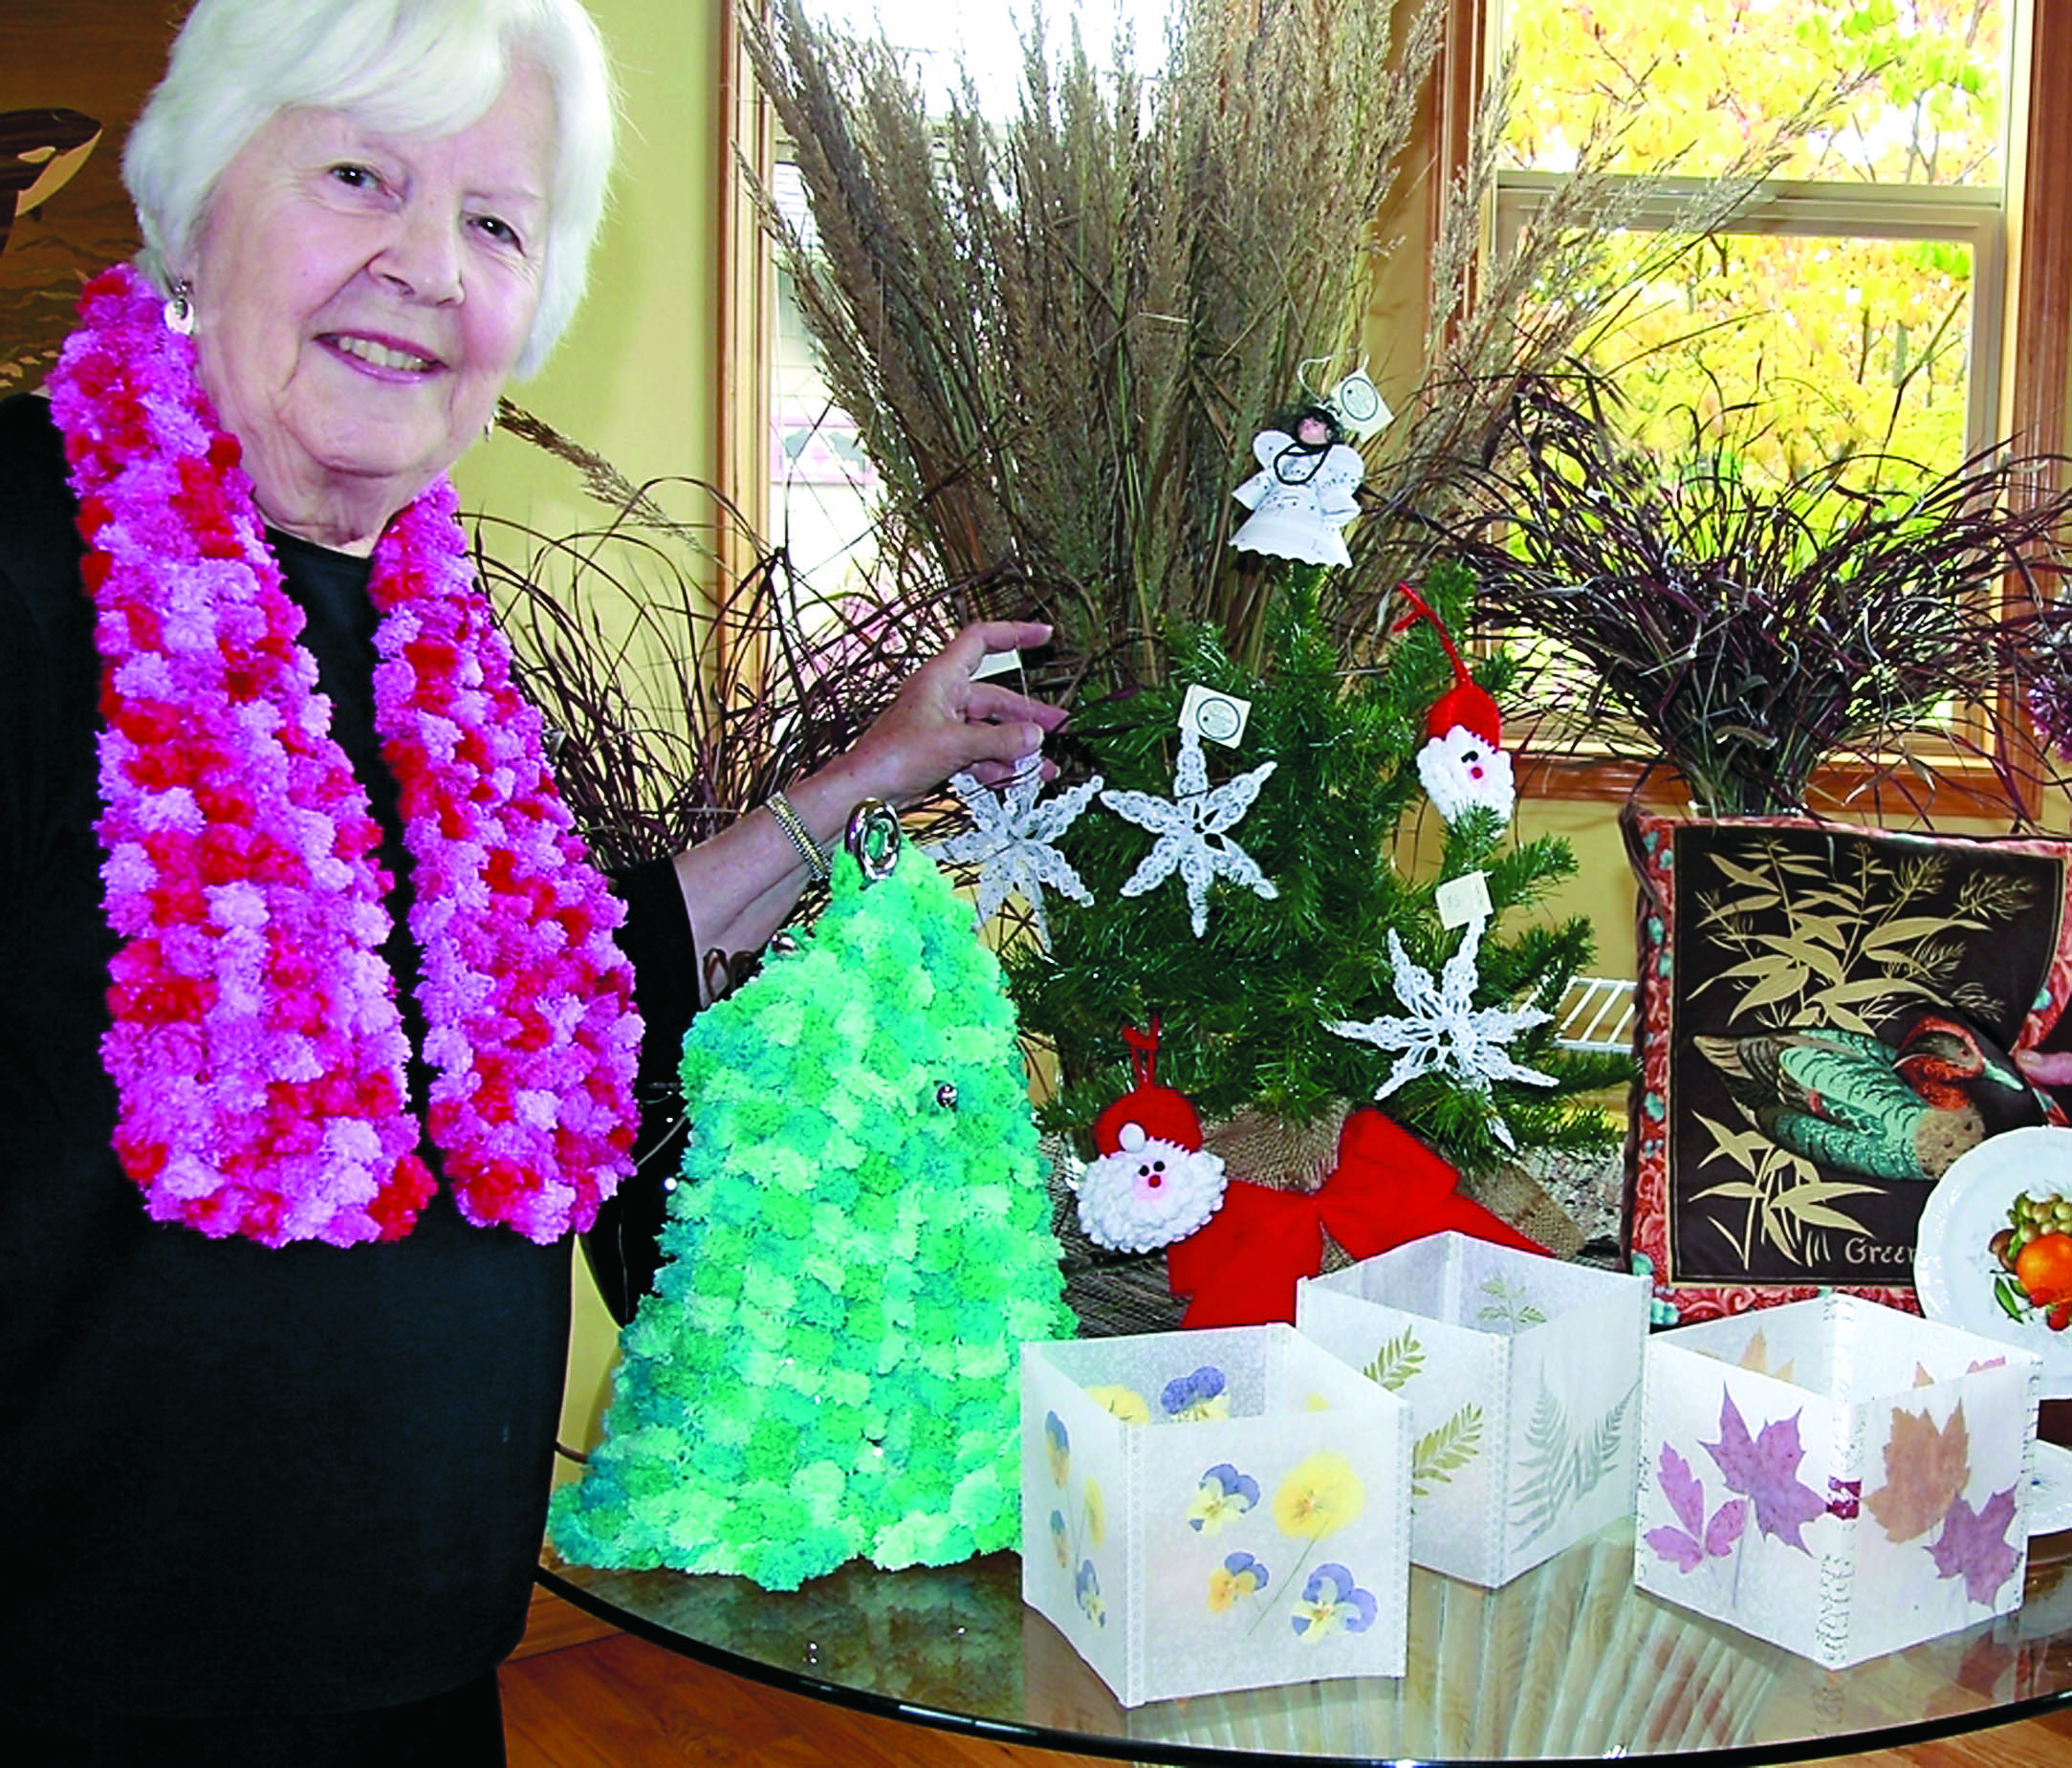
1567	1661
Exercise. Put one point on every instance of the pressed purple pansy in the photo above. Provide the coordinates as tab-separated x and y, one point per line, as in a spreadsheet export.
1188	1399
1332	1602
1240	1575
1057	1440
1086	1591
1223	1496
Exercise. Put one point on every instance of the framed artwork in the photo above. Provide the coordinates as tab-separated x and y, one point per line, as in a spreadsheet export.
73	75
1830	1018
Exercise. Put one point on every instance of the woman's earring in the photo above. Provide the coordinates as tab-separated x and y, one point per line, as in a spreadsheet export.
179	310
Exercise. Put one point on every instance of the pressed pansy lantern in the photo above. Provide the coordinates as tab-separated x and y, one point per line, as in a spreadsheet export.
1214	1509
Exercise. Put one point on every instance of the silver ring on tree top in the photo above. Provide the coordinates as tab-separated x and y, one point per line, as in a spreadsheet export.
874	837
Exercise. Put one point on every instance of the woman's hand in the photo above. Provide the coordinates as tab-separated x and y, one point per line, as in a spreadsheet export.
741	884
941	722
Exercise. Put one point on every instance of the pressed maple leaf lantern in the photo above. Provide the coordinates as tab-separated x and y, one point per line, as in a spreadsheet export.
1836	1476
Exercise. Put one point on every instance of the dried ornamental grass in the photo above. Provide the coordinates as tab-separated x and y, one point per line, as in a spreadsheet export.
1058	337
1752	632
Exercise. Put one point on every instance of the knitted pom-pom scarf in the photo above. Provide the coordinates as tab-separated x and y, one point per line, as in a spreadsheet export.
255	1046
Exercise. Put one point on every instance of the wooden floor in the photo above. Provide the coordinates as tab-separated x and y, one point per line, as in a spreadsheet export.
577	1696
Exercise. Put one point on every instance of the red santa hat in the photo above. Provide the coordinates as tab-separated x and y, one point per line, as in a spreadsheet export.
1463	703
1147	1112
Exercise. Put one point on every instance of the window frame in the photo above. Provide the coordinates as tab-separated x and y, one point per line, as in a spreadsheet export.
1971	215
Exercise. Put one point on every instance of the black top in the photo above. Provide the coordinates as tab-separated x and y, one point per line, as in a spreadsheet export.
238	1478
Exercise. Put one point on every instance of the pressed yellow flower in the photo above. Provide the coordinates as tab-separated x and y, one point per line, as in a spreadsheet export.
1124	1403
1320	1497
1240	1575
1097	1513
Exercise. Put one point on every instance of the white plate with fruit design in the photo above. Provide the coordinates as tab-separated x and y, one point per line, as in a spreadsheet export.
1958	1271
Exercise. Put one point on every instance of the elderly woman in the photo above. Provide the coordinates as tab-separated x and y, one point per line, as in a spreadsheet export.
320	1034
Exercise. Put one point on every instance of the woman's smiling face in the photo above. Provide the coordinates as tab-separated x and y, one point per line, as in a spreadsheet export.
359	299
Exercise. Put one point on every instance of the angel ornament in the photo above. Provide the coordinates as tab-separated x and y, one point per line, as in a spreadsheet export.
1303	496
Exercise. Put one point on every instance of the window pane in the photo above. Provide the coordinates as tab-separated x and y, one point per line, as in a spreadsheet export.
1833	346
1707	75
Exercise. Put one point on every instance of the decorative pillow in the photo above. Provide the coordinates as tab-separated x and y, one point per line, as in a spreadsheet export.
1829	1017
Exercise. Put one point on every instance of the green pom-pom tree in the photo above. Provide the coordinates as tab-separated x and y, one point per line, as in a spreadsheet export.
826	1367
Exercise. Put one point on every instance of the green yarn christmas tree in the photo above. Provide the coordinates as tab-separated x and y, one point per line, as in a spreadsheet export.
827	1366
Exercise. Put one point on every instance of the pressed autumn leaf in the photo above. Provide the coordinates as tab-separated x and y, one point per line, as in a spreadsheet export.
1764	1467
1975	1547
1688	1548
1925	1469
1756	1356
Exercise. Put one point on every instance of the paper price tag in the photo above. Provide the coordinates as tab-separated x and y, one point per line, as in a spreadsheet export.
1464	898
997	663
1360	407
1215	717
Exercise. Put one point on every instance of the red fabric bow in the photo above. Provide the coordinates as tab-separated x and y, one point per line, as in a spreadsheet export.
1241	1266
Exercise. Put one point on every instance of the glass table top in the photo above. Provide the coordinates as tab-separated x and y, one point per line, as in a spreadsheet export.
1566	1661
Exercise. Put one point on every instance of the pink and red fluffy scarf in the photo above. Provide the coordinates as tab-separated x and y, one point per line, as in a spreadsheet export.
257	1049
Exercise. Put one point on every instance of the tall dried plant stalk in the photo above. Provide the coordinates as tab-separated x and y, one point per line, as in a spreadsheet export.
1057	336
674	705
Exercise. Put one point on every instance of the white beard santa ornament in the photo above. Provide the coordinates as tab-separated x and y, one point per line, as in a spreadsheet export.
1463	763
1152	1183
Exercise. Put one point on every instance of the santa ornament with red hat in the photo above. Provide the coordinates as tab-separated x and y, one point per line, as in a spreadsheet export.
1463	764
1153	1183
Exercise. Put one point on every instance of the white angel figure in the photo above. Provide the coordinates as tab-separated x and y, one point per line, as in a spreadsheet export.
1303	496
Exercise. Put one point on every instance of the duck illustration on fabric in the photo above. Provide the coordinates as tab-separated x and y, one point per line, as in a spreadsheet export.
1857	1104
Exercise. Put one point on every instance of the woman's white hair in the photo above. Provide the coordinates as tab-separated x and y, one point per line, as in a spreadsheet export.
402	66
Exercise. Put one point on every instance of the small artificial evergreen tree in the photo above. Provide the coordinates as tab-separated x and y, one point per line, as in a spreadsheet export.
1249	1005
825	1368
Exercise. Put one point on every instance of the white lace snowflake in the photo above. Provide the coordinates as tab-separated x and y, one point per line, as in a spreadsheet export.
1010	844
1191	828
1444	1030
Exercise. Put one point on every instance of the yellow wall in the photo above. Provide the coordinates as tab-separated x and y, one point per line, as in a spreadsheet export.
634	377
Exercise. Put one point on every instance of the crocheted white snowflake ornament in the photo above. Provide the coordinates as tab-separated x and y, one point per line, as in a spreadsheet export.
1011	840
1192	828
1444	1030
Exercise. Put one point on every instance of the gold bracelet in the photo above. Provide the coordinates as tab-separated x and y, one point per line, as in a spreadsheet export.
788	819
